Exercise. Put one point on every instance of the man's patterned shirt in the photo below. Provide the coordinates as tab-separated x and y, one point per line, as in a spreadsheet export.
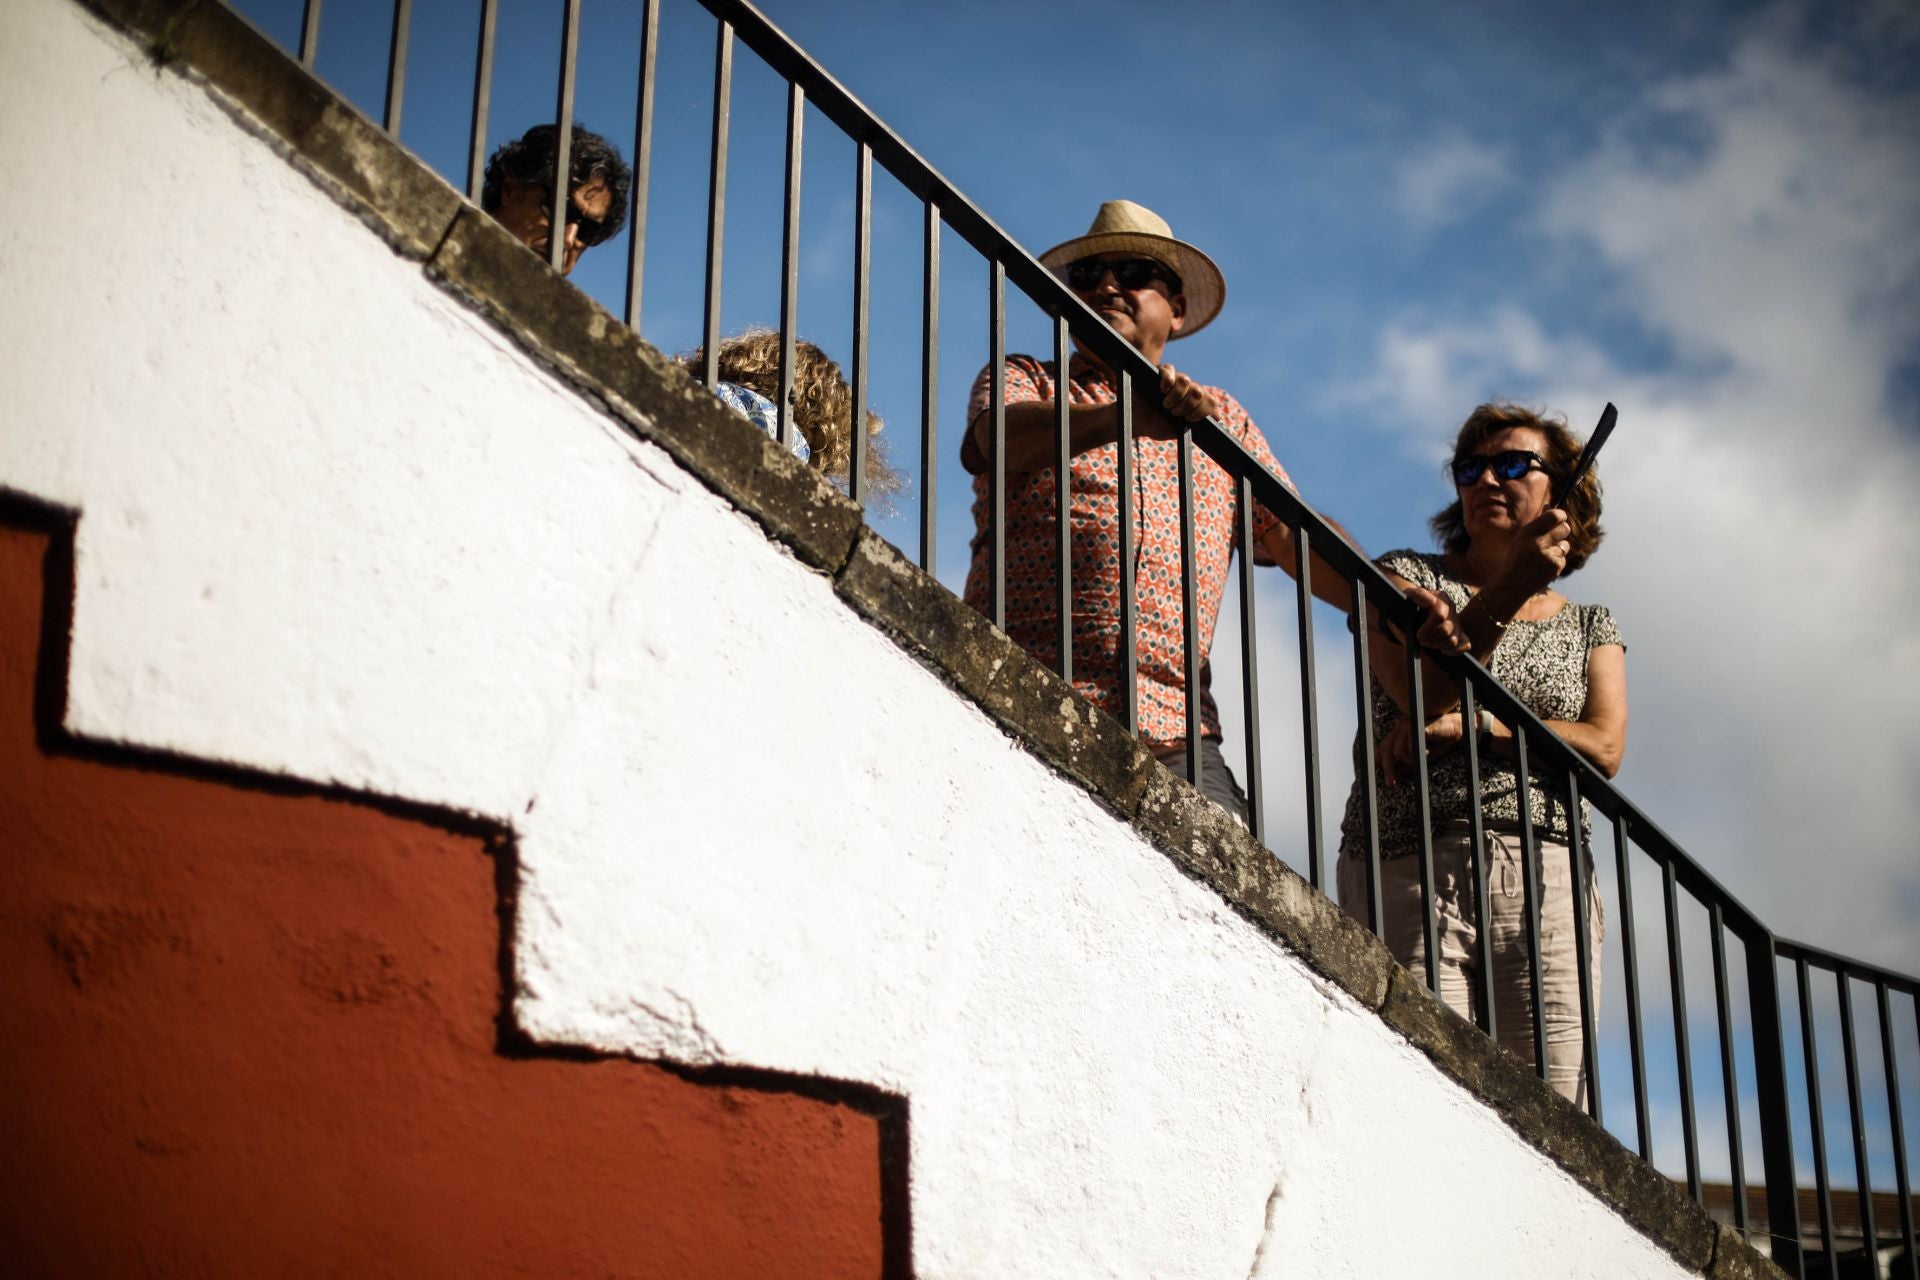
1033	615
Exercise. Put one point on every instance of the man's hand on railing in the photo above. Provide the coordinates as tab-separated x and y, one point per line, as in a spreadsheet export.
1185	400
1031	425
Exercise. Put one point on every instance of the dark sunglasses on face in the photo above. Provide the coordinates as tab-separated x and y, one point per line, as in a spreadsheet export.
1128	273
592	230
1508	464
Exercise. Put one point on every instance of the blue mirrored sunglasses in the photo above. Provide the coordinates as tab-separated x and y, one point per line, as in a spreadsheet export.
1508	464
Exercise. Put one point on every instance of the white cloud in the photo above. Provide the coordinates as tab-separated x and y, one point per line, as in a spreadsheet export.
1448	179
1762	489
1428	370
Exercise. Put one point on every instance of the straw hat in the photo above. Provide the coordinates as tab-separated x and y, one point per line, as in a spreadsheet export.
1122	226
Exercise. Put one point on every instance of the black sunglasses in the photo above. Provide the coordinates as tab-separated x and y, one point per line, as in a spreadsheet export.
592	230
1508	464
1128	273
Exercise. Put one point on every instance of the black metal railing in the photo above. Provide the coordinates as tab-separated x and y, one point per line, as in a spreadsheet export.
1543	763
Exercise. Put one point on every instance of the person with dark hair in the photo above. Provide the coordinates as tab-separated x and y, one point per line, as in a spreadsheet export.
518	190
1501	551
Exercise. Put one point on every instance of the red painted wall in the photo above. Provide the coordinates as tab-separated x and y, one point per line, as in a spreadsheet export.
250	1030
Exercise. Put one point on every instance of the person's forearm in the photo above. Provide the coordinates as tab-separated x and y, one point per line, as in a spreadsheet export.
1329	584
1031	434
1602	748
1485	621
1439	692
1487	616
1387	652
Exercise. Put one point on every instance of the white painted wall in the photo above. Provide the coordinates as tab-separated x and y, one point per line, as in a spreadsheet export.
334	526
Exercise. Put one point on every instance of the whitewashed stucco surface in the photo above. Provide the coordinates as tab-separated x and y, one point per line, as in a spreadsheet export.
334	526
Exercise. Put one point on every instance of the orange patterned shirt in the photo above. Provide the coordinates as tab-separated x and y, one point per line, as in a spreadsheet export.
1033	615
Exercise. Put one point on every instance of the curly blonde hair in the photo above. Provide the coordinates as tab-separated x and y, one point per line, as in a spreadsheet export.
822	402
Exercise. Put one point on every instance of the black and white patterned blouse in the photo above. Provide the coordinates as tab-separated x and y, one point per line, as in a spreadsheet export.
1544	664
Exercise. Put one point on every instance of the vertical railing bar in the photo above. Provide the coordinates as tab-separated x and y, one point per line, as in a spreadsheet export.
929	385
1189	610
1423	802
1729	1078
642	159
1771	1102
1129	656
563	138
310	34
1530	886
1902	1187
790	261
1676	973
1063	490
1630	963
1365	765
862	317
1309	697
717	199
397	64
997	455
1863	1171
1816	1118
1477	858
1583	892
482	95
1256	789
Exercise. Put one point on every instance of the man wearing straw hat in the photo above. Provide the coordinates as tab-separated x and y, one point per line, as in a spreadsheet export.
1151	289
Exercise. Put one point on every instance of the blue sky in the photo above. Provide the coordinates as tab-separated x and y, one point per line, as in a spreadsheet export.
1703	213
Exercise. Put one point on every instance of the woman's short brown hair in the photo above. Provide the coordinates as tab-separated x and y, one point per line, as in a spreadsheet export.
1563	450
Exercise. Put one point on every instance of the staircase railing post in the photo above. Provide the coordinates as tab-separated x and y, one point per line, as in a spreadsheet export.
1776	1114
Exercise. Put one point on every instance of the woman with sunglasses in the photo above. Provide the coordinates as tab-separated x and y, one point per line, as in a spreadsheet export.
1501	552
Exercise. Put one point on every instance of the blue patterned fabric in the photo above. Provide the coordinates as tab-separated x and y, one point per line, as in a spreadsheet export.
760	411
